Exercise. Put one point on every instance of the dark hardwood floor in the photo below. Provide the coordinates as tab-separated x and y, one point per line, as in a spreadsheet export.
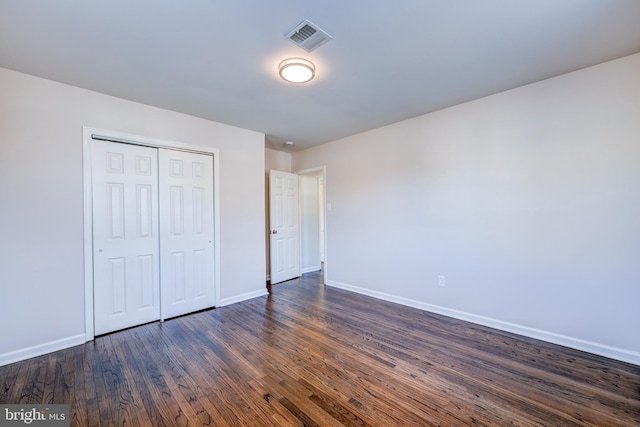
310	355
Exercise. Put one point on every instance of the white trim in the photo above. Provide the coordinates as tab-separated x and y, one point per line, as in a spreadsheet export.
87	133
621	354
88	234
40	349
243	297
311	170
311	269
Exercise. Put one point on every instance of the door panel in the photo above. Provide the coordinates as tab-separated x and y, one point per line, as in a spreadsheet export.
186	232
285	230
125	236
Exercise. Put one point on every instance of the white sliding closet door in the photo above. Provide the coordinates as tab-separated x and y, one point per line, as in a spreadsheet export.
186	232
125	235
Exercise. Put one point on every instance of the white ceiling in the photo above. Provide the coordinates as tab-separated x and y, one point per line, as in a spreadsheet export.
388	60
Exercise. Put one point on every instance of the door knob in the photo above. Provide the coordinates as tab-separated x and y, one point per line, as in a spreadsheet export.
274	232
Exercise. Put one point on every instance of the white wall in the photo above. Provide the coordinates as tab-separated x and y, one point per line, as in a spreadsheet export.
277	160
41	203
528	202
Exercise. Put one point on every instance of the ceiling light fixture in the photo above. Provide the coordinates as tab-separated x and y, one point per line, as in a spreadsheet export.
297	70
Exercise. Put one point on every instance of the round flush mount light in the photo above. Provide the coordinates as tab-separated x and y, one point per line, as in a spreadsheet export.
297	70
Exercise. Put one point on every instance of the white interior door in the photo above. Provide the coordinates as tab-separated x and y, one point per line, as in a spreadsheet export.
284	233
186	232
125	235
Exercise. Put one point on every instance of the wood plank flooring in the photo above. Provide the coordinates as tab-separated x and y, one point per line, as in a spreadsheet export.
318	356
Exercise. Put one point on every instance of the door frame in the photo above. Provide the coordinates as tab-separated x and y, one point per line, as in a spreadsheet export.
314	170
88	134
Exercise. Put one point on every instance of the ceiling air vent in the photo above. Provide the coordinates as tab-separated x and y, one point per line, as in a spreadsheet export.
308	36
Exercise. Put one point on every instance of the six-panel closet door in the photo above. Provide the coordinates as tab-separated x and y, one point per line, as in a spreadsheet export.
152	234
125	236
186	232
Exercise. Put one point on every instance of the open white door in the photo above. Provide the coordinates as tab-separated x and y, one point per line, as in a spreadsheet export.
125	236
186	232
284	227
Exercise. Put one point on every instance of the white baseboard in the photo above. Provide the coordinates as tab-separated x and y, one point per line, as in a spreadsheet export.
310	269
40	349
571	342
49	347
242	297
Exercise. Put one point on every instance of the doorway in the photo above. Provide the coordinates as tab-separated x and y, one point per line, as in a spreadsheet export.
310	206
312	220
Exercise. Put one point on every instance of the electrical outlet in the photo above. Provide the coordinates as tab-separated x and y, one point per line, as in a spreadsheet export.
442	281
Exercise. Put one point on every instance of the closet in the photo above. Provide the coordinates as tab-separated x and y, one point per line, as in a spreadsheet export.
153	242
